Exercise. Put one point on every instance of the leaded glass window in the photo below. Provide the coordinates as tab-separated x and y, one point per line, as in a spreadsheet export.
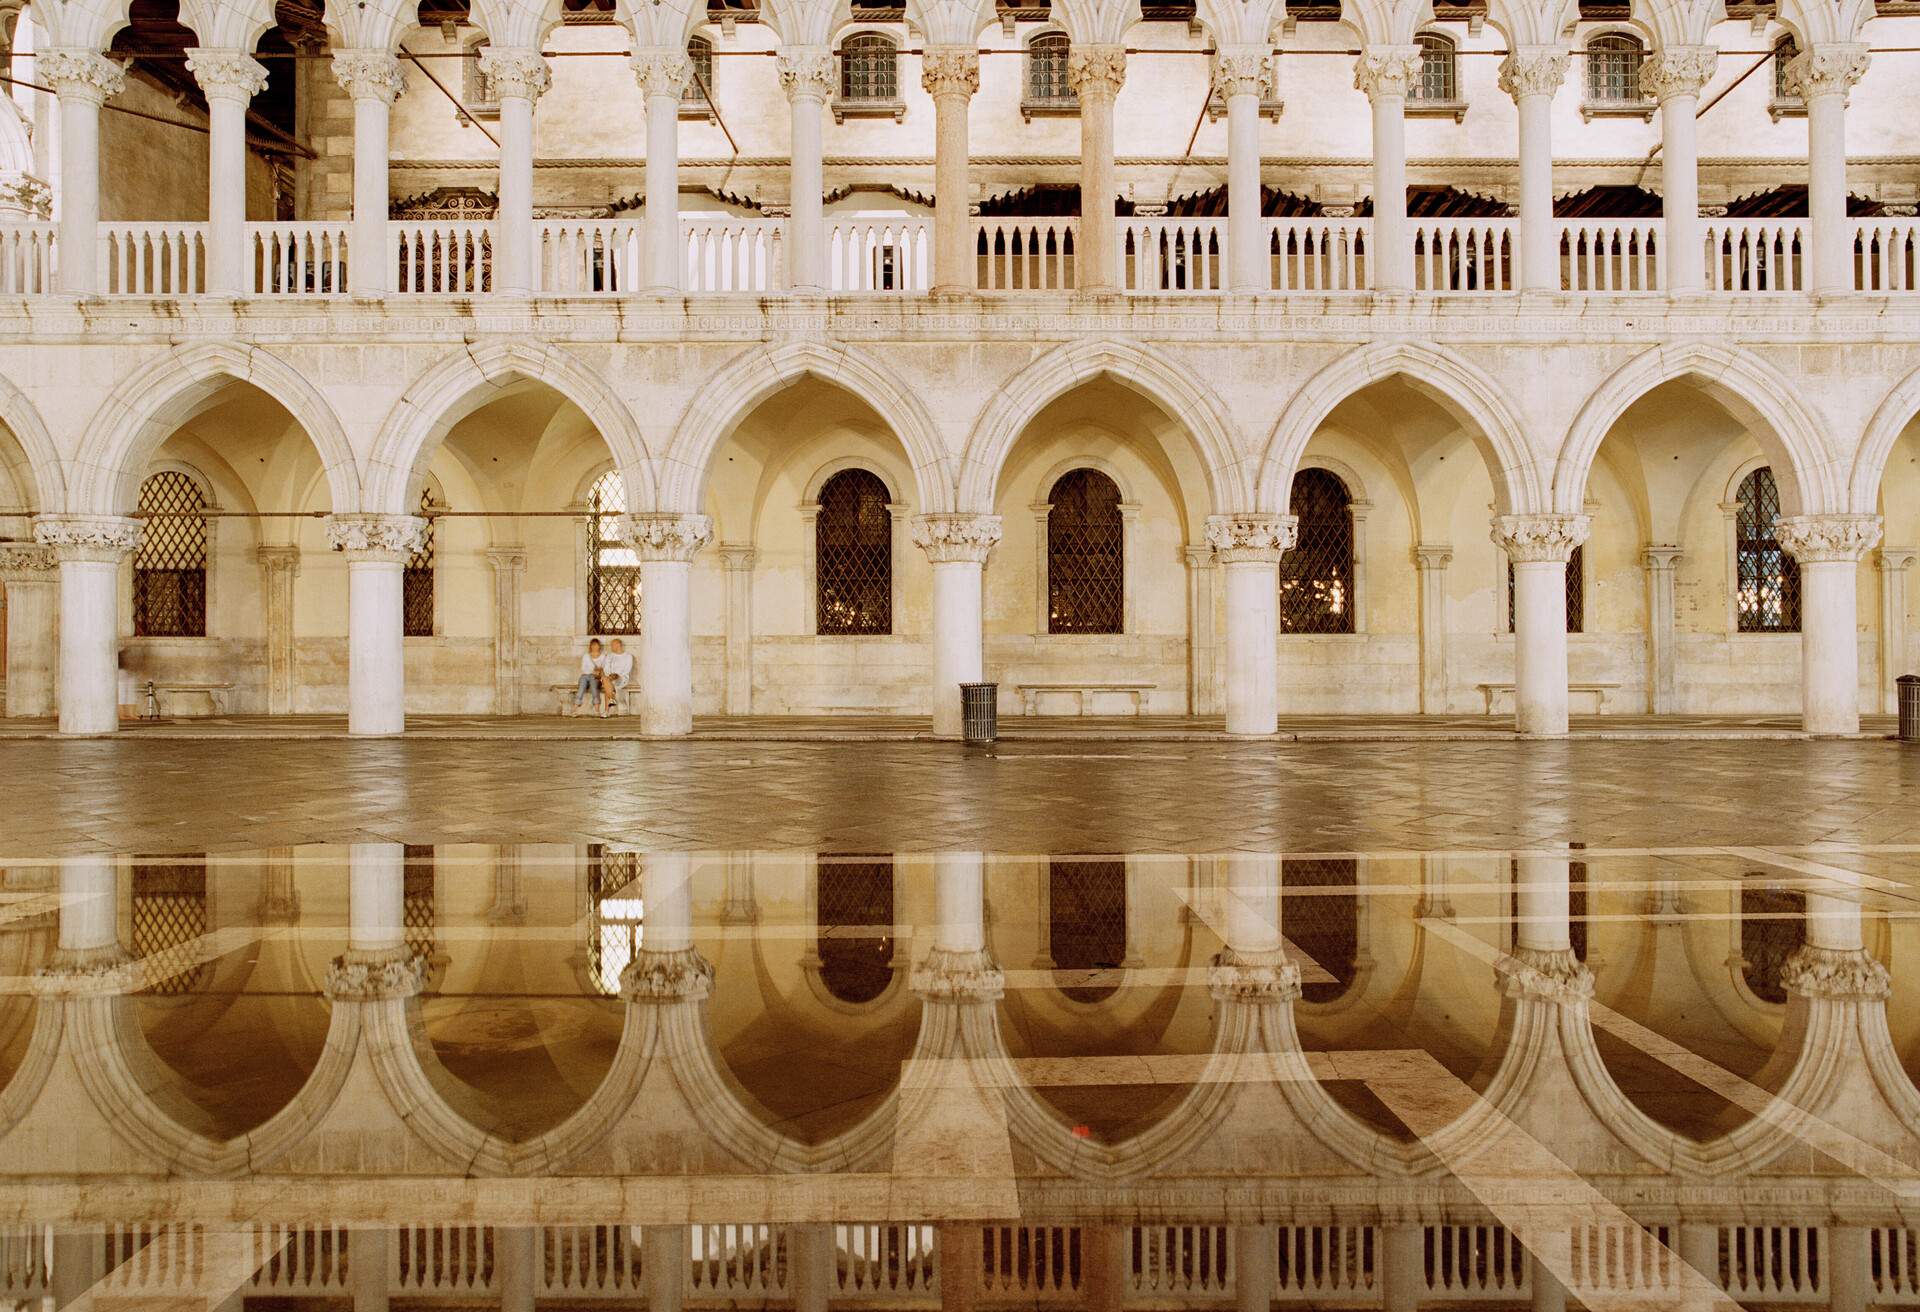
170	564
169	919
1614	60
1087	925
1439	70
1773	926
1767	594
1784	53
853	921
853	556
1576	592
613	570
700	85
417	579
1320	915
616	915
1316	576
1047	82
1086	555
869	68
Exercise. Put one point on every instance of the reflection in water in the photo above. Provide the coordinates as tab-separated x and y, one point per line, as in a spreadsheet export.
556	1074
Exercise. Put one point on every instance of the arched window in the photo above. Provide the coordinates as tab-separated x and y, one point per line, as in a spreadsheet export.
1316	577
1576	591
616	915
170	564
1767	589
869	69
853	556
700	85
1087	926
1047	83
1086	555
169	918
1784	52
1614	60
417	580
613	570
1773	926
1439	73
1320	915
853	922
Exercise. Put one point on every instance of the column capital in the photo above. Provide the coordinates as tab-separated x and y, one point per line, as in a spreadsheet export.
1678	71
226	74
1432	555
950	70
1096	70
358	975
369	74
363	536
1814	539
682	975
99	538
518	73
1537	538
507	560
1387	71
806	72
1546	974
1252	977
662	71
1237	539
26	560
1827	69
949	976
737	557
81	74
1243	70
1837	974
1533	71
668	536
102	971
947	538
1661	556
1893	560
278	558
23	196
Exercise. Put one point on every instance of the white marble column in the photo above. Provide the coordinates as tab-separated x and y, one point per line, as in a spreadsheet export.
957	545
1850	1285
738	561
229	79
1829	549
663	74
1430	560
665	1255
1532	76
30	576
1203	676
1895	564
509	572
1663	691
666	545
90	551
279	567
1539	547
1822	75
1096	73
84	80
1403	1266
367	1271
951	74
810	1264
376	897
516	1250
376	547
1248	548
1242	74
518	78
1385	73
374	80
1674	77
807	74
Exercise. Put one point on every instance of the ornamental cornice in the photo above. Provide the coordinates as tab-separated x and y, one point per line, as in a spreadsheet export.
1386	70
662	72
1243	71
950	71
1817	539
19	559
1545	974
1252	977
948	976
1236	539
517	74
1836	974
100	538
1828	69
226	74
1678	71
369	74
1531	539
961	537
81	74
358	975
806	72
682	975
667	537
1096	70
376	537
1533	71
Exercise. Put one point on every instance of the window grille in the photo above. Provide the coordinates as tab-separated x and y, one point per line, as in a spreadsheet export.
853	556
476	85
1316	576
853	898
1086	555
1320	915
419	915
1767	593
1047	82
1614	60
1439	70
1576	592
616	915
613	570
417	579
170	565
869	68
1087	925
1773	926
169	918
1784	52
700	55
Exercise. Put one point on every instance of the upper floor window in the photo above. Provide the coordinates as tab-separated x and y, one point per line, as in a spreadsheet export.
1614	60
869	69
1767	587
853	556
1316	577
170	565
613	570
1086	555
700	86
1439	71
1047	84
417	578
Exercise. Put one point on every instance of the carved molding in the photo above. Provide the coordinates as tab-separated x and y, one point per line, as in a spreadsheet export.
99	538
19	559
369	74
1252	977
1387	70
667	537
1815	539
806	73
682	975
1827	70
949	538
1239	538
376	537
950	71
1532	71
1096	70
1534	538
227	74
81	74
1678	71
949	976
522	74
1836	974
1546	974
377	976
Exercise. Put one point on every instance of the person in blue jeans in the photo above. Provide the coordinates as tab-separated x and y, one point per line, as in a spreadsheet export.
592	667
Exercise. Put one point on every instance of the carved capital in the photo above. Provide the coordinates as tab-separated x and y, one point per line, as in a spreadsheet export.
1813	539
1432	555
949	976
1678	71
376	537
679	976
1546	974
662	72
226	74
1827	69
88	972
105	539
1096	70
369	74
1238	538
1243	71
1533	71
1387	71
81	74
949	538
1536	538
361	976
23	196
1661	556
1837	974
25	559
1252	977
950	71
278	560
806	72
520	74
667	537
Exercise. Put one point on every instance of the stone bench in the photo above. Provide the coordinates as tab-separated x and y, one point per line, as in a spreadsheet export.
154	693
1031	693
625	702
1500	695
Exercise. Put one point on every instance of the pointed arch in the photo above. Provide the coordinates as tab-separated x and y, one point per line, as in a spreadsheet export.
466	380
47	483
1901	408
1175	389
733	393
1454	383
1753	392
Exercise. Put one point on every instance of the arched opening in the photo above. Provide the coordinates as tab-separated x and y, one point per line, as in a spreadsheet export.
854	926
853	556
1086	555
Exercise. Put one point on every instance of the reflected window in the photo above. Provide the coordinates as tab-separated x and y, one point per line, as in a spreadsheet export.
1047	83
419	906
853	556
1316	576
1439	81
1086	555
616	915
1773	926
169	919
854	925
1320	916
613	569
417	579
170	564
1614	60
1767	591
869	69
1576	591
1087	925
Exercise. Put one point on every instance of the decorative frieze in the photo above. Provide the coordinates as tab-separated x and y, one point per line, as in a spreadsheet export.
1533	71
521	74
1536	538
81	74
1828	69
950	71
369	74
662	72
1239	538
950	538
26	560
376	537
226	74
1387	71
667	537
1836	974
682	975
375	976
1678	71
1252	977
106	539
806	72
948	976
1096	70
1813	539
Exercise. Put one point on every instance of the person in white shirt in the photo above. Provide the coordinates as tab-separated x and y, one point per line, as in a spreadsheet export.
615	675
592	667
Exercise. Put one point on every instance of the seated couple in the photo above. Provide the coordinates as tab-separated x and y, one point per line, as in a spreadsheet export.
604	675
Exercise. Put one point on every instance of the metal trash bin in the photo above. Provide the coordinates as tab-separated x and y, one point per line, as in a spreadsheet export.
1909	696
979	712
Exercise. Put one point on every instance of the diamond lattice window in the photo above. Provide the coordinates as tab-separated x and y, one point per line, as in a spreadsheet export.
616	915
853	556
1316	576
1439	70
869	68
1773	926
417	579
1784	52
700	55
613	570
854	920
169	918
170	565
419	915
1087	925
1576	592
1614	60
1086	555
1767	592
1320	915
1047	82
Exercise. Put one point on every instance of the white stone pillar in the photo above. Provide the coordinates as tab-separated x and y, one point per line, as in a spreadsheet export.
1249	548
230	79
1894	562
961	1259
1822	75
1539	547
1096	73
1549	1252
951	74
374	80
958	547
516	1249
367	1269
279	567
1203	683
1532	76
1403	1266
84	80
1663	694
807	74
30	576
810	1261
376	548
1674	77
1249	921
738	560
1849	1269
1829	549
960	891
376	897
509	570
90	551
1700	1249
1431	559
663	74
518	78
1242	74
1385	73
666	545
664	1258
78	1264
89	907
